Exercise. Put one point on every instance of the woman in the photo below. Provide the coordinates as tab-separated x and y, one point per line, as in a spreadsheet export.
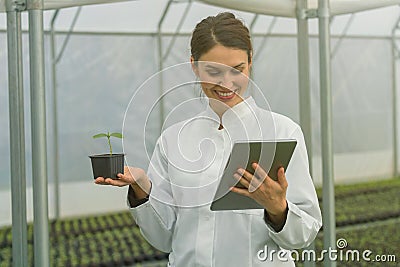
176	217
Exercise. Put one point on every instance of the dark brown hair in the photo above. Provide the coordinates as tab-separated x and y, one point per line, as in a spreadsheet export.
224	29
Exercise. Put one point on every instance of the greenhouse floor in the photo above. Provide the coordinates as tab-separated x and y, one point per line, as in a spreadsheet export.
367	217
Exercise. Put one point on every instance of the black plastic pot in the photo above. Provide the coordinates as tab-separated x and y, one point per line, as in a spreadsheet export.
107	166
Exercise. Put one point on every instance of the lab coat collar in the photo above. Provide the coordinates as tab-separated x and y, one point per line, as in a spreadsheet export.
232	115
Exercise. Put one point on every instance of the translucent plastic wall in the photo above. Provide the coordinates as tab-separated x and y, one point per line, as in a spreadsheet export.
362	101
98	74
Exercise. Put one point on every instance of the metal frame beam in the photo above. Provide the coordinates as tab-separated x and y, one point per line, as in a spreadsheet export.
38	132
328	190
161	55
265	38
17	133
55	59
55	115
178	28
303	59
342	35
160	61
395	58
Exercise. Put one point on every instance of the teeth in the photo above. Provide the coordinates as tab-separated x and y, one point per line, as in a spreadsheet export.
225	94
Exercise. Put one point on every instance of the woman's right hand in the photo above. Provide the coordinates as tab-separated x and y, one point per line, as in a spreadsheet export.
135	177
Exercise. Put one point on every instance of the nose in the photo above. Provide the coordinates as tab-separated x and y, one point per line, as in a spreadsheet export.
227	81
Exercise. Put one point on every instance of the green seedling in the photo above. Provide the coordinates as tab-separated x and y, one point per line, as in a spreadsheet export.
108	135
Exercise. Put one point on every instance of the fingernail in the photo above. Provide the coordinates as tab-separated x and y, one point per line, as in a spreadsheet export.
240	171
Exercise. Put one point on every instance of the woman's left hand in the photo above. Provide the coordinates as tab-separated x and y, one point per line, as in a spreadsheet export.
267	192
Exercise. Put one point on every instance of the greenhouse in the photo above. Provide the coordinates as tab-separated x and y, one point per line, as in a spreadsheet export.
76	68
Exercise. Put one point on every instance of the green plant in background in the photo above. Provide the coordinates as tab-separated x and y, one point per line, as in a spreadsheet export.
97	236
108	135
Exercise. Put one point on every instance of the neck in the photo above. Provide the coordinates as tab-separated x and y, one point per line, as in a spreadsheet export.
219	108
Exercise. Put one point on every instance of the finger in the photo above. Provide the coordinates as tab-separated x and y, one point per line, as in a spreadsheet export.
282	177
99	180
127	178
127	170
115	182
245	174
241	191
263	175
260	177
241	180
252	182
259	171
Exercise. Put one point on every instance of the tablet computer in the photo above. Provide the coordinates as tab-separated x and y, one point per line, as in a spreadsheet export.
271	155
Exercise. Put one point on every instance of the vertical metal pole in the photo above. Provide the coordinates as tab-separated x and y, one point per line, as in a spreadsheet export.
161	80
178	28
395	56
160	62
303	59
17	137
328	190
394	110
38	118
55	116
304	77
54	61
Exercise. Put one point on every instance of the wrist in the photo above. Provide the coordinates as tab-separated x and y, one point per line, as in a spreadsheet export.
134	199
278	219
138	191
278	210
135	186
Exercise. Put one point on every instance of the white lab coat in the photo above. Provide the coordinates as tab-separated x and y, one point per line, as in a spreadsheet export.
187	162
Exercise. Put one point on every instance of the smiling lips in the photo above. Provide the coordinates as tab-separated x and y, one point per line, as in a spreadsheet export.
225	95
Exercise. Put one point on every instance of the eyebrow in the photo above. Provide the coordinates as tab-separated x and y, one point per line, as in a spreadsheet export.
239	65
235	67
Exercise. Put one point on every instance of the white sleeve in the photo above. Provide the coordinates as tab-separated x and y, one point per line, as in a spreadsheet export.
156	218
304	218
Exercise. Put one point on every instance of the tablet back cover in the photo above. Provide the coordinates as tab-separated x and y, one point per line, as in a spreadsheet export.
270	154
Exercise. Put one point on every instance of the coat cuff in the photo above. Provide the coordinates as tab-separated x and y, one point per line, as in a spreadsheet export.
298	231
277	227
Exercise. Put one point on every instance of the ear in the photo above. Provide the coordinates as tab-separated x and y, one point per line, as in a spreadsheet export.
195	68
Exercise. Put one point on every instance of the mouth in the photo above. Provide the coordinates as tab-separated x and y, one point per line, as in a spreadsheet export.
226	95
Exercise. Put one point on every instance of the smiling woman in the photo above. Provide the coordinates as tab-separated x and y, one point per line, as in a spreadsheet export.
223	73
171	201
221	51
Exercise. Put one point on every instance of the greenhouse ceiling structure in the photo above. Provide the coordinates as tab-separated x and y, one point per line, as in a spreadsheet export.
300	10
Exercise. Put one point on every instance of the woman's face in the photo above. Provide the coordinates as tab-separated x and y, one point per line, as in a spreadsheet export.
223	73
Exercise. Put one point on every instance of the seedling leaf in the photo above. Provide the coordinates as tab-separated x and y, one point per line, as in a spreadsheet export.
118	135
108	135
100	135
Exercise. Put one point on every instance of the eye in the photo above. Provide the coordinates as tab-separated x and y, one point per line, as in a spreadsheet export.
213	72
236	71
